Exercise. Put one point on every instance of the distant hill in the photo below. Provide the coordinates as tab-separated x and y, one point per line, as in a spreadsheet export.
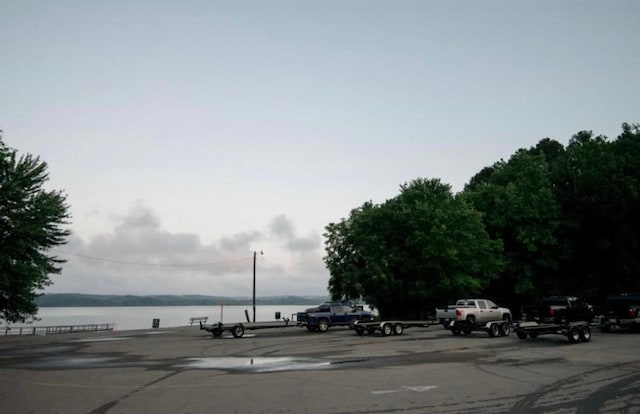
78	299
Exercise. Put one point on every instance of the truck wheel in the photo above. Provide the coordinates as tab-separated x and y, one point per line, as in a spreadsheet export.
455	331
585	334
494	330
466	331
371	330
506	317
521	334
359	330
238	331
574	334
398	328
387	329
505	329
471	320
323	324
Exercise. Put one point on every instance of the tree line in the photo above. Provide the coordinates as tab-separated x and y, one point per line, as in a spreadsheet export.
551	220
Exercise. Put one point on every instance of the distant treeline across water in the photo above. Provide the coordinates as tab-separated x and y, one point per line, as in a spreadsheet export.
77	299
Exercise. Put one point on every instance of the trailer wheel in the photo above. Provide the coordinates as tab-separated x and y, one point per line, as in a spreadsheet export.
371	330
359	330
505	329
533	335
521	334
494	330
398	328
574	334
585	334
238	331
466	331
387	329
323	324
216	333
455	331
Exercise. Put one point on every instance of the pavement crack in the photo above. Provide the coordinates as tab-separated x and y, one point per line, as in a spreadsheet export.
104	408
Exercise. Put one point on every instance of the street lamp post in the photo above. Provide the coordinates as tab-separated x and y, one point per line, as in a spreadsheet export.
255	253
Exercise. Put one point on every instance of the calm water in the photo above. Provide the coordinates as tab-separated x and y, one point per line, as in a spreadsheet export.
141	317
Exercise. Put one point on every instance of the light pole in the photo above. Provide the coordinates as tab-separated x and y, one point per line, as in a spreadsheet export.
255	253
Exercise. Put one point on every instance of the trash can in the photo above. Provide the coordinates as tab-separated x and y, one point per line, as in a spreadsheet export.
156	323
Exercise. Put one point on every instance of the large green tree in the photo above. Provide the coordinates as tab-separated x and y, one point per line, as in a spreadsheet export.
519	208
31	223
598	186
419	249
568	217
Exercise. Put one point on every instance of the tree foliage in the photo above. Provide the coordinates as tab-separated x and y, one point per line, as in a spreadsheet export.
418	249
568	217
31	223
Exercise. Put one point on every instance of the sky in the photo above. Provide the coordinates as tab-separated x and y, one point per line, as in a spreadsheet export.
189	135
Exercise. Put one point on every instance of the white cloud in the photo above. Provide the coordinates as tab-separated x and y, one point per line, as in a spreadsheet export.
140	257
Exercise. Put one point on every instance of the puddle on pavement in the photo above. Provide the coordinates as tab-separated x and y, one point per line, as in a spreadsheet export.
103	339
258	364
73	362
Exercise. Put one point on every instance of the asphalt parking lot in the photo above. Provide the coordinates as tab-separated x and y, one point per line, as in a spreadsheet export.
290	370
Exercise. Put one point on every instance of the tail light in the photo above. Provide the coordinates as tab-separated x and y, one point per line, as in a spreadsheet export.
632	312
552	312
458	313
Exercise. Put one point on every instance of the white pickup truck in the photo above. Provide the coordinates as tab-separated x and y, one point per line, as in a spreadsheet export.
474	311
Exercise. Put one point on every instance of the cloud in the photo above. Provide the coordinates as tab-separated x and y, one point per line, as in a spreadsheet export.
138	256
283	228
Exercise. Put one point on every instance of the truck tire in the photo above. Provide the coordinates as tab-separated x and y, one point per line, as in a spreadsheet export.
371	330
471	320
585	334
521	334
398	328
323	324
456	331
387	329
237	331
506	317
359	330
574	334
505	328
494	330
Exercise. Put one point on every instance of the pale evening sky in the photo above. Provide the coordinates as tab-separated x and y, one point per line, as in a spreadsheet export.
197	132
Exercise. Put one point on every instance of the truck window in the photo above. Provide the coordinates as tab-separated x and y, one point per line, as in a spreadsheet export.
482	304
347	309
491	305
336	309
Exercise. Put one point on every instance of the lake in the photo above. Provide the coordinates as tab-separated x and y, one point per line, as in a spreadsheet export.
141	317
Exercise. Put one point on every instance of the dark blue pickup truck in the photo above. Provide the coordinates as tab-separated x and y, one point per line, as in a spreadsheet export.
327	314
